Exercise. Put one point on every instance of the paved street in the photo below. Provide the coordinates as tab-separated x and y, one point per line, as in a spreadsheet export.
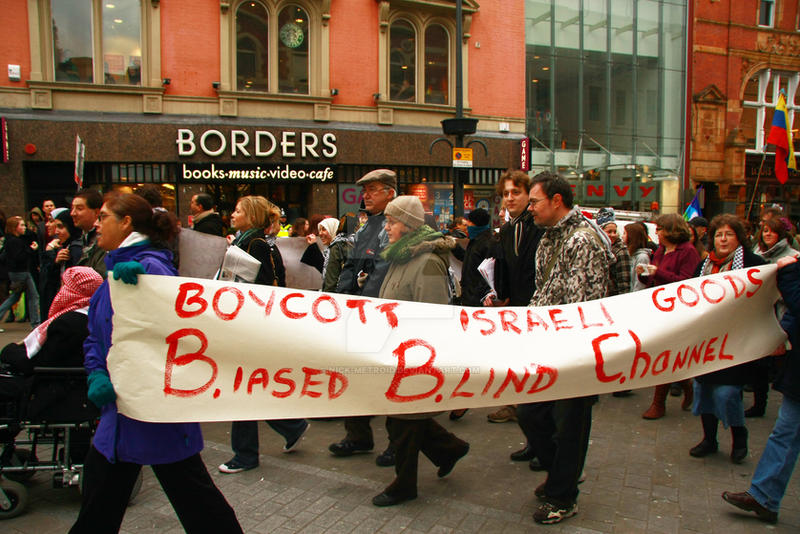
639	478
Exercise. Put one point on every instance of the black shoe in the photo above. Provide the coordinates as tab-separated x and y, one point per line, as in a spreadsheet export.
446	467
292	442
455	415
536	465
348	448
675	390
386	458
623	393
704	448
386	499
523	455
738	455
755	411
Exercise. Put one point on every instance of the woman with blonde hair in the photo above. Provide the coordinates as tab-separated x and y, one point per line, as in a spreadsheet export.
257	221
675	259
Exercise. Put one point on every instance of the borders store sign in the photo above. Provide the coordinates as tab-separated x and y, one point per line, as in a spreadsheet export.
258	144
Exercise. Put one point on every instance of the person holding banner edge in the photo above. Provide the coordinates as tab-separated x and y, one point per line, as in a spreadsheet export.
252	216
134	235
418	272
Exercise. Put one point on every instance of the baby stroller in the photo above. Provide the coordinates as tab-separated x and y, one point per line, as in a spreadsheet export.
49	410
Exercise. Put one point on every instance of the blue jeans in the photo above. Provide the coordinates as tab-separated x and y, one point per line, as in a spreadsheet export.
32	299
244	437
779	457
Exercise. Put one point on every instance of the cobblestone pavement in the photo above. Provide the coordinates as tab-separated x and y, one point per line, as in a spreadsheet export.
639	478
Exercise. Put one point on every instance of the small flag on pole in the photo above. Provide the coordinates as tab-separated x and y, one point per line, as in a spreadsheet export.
80	150
780	135
693	209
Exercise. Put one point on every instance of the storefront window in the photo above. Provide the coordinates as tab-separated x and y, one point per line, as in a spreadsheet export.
402	62
72	44
122	47
760	97
252	47
120	27
437	47
293	50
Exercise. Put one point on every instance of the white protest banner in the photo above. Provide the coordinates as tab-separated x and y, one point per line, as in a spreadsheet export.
203	350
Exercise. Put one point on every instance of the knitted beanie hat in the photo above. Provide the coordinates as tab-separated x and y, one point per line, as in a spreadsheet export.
479	217
408	210
605	216
330	224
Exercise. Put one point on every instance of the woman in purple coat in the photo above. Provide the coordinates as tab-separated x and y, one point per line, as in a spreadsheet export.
134	235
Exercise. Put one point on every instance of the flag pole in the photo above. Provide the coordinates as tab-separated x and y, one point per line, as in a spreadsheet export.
755	189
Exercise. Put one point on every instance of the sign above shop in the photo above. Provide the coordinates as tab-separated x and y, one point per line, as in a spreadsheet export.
262	144
525	154
265	172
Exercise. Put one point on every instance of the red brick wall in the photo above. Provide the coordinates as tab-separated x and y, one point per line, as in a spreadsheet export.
190	46
354	51
14	48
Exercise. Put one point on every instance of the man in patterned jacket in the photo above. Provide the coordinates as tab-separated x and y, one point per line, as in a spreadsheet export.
572	265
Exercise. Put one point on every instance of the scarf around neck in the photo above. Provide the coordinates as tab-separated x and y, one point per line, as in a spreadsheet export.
714	264
401	250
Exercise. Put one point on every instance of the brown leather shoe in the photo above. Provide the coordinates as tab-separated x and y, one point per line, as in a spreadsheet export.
745	501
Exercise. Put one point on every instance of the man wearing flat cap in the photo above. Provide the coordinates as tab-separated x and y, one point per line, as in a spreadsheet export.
362	274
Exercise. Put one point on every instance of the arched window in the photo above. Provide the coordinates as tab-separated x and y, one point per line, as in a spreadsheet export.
437	71
402	62
252	47
293	50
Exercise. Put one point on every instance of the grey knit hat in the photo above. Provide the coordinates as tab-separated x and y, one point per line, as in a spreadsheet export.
384	176
408	210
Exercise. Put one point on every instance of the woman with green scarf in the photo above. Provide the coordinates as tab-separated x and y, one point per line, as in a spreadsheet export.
418	260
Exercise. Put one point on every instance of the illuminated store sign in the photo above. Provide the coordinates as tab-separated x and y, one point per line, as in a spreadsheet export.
263	144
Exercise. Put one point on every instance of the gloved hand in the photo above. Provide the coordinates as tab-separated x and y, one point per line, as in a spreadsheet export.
101	391
128	271
362	278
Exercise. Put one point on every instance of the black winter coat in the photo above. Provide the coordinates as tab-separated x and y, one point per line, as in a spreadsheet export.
370	240
18	254
272	271
473	286
210	224
788	381
515	274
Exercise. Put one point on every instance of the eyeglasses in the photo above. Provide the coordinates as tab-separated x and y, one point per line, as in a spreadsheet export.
535	201
729	235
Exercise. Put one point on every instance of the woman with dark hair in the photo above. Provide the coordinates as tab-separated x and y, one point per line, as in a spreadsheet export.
300	227
673	261
718	395
62	252
697	243
636	241
19	253
257	221
135	236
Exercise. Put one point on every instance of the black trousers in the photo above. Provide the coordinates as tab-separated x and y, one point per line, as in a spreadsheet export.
200	506
561	445
533	416
358	429
412	436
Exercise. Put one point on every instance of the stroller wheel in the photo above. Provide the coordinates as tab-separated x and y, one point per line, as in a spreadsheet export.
13	498
18	458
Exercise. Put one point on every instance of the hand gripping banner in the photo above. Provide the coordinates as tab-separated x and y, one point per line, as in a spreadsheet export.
187	349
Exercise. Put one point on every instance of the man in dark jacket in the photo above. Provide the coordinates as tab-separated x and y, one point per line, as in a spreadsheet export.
481	246
774	470
515	267
85	211
362	275
204	218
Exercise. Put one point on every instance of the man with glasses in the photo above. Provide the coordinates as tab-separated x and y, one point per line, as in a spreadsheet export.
362	274
572	265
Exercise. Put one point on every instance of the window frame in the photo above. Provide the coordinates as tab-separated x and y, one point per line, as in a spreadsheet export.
420	22
42	54
765	76
771	23
318	48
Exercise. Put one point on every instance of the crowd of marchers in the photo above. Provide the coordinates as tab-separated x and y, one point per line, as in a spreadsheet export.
547	253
